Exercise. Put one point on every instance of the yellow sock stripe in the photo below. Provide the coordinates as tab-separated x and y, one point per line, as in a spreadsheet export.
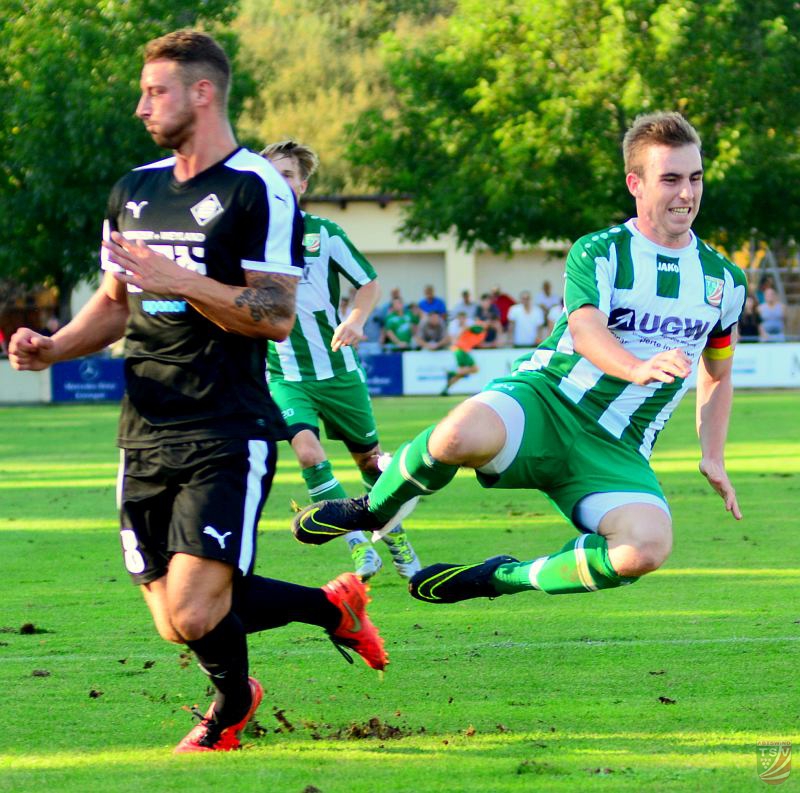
582	565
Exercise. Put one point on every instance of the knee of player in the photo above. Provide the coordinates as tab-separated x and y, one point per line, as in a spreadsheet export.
190	625
651	550
168	633
308	449
450	442
464	440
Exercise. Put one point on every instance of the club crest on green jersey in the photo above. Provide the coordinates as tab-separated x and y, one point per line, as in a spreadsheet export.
311	243
714	287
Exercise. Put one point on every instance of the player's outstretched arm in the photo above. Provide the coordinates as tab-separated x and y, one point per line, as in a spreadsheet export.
714	401
595	342
351	330
99	323
263	309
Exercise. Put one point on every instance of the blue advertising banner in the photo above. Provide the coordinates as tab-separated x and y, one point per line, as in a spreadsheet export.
384	373
88	379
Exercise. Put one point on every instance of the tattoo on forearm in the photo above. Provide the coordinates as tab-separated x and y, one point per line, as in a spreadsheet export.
268	297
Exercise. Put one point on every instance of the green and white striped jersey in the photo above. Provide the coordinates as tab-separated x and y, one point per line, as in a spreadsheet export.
307	354
656	299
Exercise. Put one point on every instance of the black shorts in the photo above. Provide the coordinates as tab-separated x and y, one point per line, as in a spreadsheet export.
202	498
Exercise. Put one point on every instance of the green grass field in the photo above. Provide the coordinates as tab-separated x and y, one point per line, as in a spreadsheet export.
665	685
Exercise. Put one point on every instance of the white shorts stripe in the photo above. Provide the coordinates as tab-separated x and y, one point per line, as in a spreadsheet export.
120	478
258	453
591	509
513	417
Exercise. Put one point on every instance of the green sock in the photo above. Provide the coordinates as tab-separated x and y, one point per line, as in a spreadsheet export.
412	472
321	483
582	565
322	486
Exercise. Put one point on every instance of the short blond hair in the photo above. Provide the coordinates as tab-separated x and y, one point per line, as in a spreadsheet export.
656	129
306	158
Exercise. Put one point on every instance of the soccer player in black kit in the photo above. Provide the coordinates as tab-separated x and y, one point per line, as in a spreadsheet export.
201	257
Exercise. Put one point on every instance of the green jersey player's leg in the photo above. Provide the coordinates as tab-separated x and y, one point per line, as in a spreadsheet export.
520	434
343	406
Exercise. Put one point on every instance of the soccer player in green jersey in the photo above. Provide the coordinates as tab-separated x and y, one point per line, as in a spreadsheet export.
316	373
646	303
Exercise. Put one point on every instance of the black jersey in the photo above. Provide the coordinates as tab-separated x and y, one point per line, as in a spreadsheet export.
186	378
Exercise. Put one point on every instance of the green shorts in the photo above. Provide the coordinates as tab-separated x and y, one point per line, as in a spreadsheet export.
463	358
553	447
341	402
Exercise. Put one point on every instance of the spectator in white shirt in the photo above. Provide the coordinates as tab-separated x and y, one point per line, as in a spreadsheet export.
546	299
467	305
526	322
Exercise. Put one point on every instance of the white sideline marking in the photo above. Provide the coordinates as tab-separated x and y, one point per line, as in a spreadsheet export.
574	643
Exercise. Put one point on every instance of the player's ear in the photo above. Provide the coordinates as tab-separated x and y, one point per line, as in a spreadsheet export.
202	92
634	183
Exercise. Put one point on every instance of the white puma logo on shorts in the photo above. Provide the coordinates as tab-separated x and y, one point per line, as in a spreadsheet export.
220	538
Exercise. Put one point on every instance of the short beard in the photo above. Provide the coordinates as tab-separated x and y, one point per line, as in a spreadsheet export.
181	130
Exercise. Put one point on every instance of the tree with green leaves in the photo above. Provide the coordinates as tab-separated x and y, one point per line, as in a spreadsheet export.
68	88
505	121
319	69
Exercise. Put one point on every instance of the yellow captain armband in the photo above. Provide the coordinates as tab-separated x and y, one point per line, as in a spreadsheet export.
719	348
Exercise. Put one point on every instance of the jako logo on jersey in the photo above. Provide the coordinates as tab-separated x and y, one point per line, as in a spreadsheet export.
206	210
714	287
668	267
311	242
625	319
163	306
135	208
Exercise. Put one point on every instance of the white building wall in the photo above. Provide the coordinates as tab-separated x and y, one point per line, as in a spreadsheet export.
372	226
526	269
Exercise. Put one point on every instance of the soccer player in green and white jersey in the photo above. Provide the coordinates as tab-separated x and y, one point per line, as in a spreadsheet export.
646	303
316	373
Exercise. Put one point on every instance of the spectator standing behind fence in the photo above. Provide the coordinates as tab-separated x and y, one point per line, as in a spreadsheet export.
502	302
526	322
431	303
771	312
467	306
750	322
765	282
432	333
546	299
382	311
488	316
398	327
